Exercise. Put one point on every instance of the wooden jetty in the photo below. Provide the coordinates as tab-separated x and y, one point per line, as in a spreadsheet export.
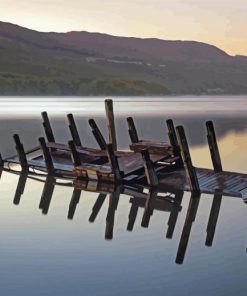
154	164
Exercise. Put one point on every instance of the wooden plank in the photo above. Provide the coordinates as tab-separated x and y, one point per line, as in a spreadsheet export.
154	147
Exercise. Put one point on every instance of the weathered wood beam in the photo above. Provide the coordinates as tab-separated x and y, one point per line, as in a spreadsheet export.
111	123
173	137
151	175
75	156
47	156
47	127
73	130
185	153
132	130
97	134
213	147
114	163
132	216
21	153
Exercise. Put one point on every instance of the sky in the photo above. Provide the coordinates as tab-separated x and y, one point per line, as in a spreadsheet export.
219	22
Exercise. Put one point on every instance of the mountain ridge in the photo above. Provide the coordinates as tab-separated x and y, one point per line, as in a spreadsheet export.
107	62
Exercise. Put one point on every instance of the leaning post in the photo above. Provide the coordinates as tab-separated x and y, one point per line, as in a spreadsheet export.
47	156
188	166
132	130
213	147
149	169
73	130
21	153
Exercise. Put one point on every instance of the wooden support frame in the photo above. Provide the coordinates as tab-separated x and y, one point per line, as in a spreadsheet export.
132	130
149	169
47	156
111	123
74	154
20	152
97	134
47	127
188	166
213	147
73	130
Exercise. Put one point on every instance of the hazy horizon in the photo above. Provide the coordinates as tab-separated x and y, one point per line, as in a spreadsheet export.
219	23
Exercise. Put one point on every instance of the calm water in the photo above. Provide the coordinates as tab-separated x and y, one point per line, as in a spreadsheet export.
52	255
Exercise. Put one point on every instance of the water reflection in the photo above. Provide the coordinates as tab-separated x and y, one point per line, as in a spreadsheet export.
151	200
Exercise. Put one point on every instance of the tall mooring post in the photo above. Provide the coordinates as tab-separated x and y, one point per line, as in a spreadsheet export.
213	147
185	153
111	123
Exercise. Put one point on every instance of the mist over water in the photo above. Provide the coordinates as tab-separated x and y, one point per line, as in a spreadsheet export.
51	255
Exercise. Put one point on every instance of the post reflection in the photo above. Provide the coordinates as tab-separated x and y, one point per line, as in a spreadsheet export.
142	202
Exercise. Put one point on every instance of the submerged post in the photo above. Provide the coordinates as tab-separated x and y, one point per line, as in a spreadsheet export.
73	130
74	154
97	134
213	147
149	169
111	123
114	162
47	156
173	137
185	153
21	153
132	130
47	126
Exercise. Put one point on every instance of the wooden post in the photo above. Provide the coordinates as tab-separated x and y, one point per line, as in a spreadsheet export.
213	218
173	137
132	130
73	130
190	218
73	203
97	206
47	126
75	156
97	134
111	123
185	153
151	175
1	161
21	153
47	156
114	163
20	187
213	147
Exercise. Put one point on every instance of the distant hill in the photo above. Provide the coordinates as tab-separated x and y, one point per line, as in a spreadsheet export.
82	63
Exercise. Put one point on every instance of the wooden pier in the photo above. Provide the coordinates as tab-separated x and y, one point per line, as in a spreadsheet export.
155	164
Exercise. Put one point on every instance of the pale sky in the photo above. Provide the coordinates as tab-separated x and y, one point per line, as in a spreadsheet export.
219	22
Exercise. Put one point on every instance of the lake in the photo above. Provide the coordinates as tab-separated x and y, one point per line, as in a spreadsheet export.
49	254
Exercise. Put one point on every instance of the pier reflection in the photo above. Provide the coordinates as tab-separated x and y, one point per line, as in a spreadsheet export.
143	201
